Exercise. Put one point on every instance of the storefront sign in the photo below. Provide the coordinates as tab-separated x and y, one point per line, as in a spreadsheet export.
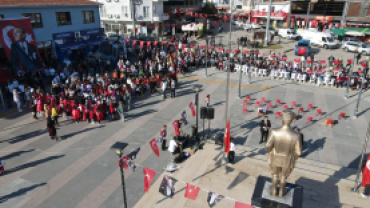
58	36
96	31
279	14
324	18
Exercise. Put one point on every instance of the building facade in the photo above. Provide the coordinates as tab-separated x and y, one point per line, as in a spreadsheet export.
117	16
51	17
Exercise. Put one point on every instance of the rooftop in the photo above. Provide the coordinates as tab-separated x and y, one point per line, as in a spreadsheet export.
10	3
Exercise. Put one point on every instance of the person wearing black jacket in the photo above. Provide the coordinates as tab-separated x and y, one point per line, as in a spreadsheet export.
265	125
299	131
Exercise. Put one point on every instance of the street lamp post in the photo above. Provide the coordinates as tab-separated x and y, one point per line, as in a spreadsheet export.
268	24
206	52
355	189
240	75
358	99
349	77
119	147
197	89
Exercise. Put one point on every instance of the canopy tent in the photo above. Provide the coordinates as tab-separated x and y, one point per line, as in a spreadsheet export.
352	31
96	41
71	45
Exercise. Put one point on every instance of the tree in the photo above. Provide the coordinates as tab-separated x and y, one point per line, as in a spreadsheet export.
209	8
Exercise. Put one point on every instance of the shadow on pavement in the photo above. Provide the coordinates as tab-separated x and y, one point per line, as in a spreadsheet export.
20	192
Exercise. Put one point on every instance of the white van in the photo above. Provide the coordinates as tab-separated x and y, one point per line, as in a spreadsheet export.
321	39
288	33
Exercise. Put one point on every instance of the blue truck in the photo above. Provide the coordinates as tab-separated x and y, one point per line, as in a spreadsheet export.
302	47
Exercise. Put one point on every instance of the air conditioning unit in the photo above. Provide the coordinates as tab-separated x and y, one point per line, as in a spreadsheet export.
126	15
77	35
117	15
116	0
110	15
108	0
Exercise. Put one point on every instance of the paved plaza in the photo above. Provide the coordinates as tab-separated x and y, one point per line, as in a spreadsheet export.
82	171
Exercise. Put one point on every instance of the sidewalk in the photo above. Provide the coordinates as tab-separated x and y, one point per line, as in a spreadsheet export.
324	185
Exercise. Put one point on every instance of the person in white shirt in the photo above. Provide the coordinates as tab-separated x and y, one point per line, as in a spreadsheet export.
164	88
67	62
16	99
173	146
231	155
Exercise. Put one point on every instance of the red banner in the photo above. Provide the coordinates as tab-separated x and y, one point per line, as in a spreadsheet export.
191	106
154	146
19	42
191	192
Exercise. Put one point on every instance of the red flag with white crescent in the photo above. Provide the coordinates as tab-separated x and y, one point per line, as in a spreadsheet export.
191	106
227	137
242	205
148	177
191	192
124	160
154	146
366	173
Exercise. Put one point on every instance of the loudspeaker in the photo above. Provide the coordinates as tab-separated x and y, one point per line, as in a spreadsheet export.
203	112
210	113
194	130
219	138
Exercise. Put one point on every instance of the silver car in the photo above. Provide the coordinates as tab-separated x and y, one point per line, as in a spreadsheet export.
364	49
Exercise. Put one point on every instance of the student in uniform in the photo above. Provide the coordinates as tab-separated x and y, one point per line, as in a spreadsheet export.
231	154
54	114
33	106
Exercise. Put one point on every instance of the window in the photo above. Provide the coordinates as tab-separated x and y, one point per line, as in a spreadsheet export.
102	10
35	19
146	11
88	16
63	18
124	11
1	16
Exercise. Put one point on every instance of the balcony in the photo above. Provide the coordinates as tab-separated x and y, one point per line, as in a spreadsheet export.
158	18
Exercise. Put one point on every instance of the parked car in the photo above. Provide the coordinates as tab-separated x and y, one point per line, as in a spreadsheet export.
302	47
288	33
353	40
255	26
110	36
350	46
321	39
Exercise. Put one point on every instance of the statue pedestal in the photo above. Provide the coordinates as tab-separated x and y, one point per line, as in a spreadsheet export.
263	199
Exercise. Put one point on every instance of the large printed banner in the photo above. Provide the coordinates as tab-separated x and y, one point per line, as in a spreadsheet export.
18	40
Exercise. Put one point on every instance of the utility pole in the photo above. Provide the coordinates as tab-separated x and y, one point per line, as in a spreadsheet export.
344	16
268	24
133	17
308	13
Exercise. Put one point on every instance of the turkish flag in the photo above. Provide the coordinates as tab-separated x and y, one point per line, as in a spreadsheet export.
242	205
211	47
297	60
220	49
154	26
356	25
191	106
168	44
127	40
202	46
184	46
236	50
227	137
265	54
228	51
154	146
349	25
284	58
141	43
191	192
309	61
246	51
192	46
349	61
200	15
176	126
215	22
363	64
322	61
336	62
148	43
155	43
301	50
366	173
256	52
134	43
124	160
148	177
196	15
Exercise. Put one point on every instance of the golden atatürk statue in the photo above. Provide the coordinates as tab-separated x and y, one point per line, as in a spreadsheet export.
284	146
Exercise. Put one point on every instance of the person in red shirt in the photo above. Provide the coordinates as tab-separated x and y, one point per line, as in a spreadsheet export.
99	115
76	114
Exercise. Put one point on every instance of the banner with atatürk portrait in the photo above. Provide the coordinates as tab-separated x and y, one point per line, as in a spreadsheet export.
19	42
